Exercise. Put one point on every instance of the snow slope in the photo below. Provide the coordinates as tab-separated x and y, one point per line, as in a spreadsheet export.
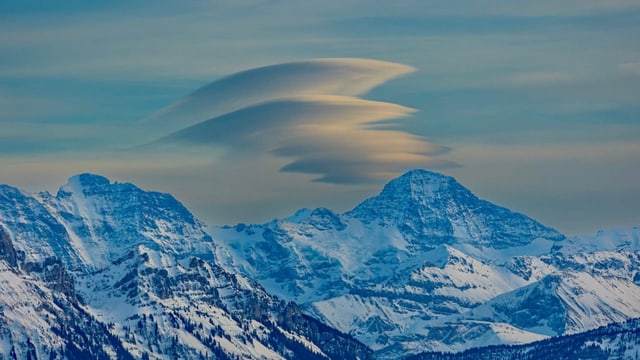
108	270
614	341
426	265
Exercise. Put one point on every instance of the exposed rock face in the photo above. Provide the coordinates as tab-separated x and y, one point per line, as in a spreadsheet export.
109	271
7	252
427	265
431	209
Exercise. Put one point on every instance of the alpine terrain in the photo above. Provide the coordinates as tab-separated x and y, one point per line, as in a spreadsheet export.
105	270
615	341
428	266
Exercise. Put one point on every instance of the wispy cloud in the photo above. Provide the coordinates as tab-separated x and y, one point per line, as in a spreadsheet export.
630	68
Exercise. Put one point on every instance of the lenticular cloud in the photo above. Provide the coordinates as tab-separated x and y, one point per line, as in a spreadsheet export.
305	112
345	76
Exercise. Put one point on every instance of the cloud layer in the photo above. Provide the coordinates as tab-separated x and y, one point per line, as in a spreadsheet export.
334	76
303	112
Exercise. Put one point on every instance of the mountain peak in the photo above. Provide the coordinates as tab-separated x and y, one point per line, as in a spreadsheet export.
84	184
88	179
419	183
415	188
108	219
435	209
417	174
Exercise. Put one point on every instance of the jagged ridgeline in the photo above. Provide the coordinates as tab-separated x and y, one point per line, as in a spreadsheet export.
104	270
107	270
615	341
426	265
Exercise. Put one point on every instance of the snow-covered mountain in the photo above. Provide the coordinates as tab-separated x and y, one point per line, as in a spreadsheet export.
614	341
107	270
427	266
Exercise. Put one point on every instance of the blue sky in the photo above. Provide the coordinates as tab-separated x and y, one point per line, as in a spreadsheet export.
539	102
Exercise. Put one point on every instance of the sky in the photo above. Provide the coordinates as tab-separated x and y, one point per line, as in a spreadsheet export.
532	105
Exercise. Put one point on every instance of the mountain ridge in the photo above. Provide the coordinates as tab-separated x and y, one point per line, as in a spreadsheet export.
424	266
110	262
614	341
439	201
407	270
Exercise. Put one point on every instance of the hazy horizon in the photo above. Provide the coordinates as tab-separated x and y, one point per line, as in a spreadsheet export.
534	107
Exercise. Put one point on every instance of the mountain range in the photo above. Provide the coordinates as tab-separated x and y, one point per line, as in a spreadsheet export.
428	266
615	341
107	270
